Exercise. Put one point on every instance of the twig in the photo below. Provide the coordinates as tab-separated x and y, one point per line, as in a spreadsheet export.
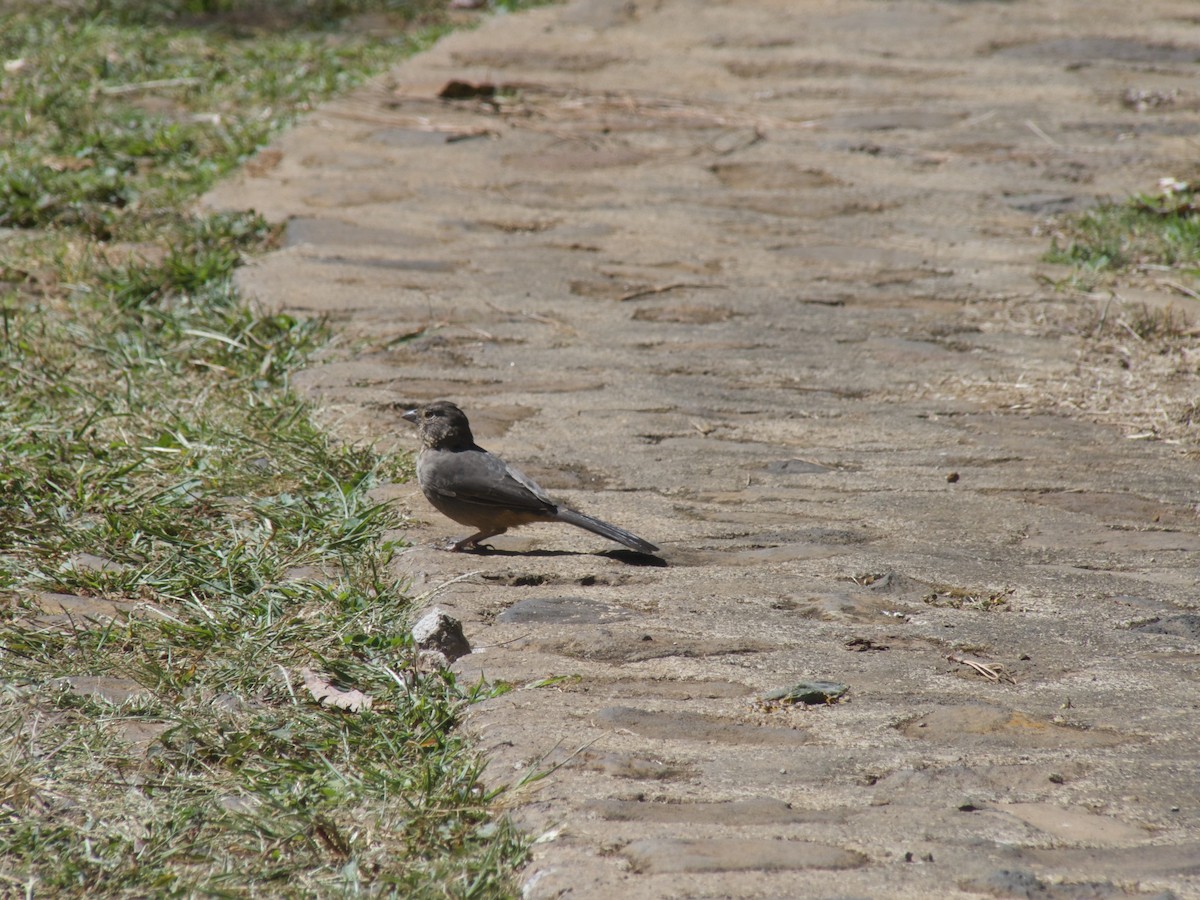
663	288
991	673
519	637
1187	292
1033	126
1125	325
287	680
415	123
401	682
1104	315
430	594
136	86
535	317
534	777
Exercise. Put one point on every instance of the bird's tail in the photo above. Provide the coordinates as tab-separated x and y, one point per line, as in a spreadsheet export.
612	532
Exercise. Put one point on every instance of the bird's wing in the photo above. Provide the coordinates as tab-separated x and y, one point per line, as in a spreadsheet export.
476	476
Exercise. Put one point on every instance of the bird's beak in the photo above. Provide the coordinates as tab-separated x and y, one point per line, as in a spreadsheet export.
410	416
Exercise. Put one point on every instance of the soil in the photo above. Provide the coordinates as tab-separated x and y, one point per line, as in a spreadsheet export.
763	282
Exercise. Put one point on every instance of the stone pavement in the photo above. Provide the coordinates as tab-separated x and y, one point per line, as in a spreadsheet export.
762	282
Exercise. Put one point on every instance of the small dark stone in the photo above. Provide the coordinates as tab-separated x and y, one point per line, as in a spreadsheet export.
796	467
861	645
465	90
1185	625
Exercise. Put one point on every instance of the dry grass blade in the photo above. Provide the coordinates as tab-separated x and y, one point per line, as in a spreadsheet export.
664	288
992	672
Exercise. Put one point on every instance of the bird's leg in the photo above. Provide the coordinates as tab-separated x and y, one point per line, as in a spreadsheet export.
471	544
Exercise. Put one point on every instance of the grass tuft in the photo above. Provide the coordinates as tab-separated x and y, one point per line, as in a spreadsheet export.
1160	229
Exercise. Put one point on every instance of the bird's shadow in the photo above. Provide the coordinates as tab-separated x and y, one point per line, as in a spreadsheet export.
628	557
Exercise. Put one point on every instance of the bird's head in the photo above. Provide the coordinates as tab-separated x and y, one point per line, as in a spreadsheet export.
441	425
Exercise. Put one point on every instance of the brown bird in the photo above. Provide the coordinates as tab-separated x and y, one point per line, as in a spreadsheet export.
476	488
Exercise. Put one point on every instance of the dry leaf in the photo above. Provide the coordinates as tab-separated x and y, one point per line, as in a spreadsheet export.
328	695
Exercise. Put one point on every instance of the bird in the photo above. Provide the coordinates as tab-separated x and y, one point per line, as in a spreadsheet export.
474	487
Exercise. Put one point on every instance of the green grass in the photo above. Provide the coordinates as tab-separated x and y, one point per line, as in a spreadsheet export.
109	121
1160	229
153	457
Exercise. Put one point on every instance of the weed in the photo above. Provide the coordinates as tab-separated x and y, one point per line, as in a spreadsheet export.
961	598
1157	324
1155	229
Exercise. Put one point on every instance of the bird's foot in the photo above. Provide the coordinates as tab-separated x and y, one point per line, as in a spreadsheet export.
466	545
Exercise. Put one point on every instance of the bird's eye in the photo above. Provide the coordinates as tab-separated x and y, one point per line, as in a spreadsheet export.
430	413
